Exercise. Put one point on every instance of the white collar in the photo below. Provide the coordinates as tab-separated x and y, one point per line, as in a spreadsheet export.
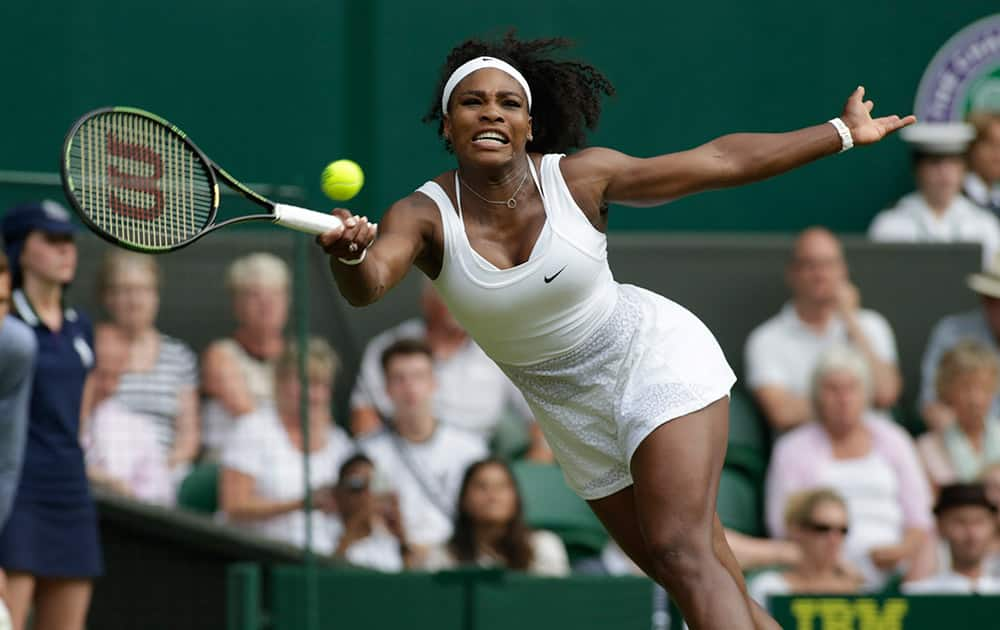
24	309
977	190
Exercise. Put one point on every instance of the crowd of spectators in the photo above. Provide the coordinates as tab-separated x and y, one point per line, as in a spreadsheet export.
408	481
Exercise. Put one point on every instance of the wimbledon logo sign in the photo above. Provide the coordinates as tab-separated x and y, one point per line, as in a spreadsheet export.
964	75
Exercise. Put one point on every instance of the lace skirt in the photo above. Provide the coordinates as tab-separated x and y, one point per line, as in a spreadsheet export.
651	362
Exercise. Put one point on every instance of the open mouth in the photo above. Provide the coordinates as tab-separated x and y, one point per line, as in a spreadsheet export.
491	137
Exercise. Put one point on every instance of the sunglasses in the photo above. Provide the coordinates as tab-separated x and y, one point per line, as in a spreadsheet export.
826	528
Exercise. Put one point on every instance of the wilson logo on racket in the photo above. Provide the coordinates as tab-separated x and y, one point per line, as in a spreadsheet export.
124	185
138	182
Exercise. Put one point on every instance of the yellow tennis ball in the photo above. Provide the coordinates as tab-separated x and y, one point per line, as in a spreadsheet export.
342	179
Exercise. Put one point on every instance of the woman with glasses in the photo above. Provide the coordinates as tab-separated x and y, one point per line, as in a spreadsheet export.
868	459
817	522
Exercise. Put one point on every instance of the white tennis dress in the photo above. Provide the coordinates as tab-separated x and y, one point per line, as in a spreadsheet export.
601	364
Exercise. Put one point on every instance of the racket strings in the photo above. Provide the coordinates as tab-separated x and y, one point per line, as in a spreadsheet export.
138	181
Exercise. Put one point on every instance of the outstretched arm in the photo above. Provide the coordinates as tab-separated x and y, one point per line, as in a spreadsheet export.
402	235
727	161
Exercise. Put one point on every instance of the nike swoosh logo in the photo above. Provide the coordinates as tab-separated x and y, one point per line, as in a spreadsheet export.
549	279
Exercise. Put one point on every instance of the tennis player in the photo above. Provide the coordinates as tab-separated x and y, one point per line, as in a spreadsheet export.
631	389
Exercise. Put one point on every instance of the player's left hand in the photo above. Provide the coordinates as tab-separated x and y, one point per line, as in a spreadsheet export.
865	129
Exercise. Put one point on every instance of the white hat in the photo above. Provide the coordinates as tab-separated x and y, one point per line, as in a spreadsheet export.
949	138
987	282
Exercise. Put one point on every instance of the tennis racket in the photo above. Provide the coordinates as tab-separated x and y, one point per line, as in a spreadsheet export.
140	183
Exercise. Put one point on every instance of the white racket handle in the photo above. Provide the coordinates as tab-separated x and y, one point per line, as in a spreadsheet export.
308	221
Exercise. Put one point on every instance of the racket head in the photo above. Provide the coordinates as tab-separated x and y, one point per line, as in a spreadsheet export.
137	181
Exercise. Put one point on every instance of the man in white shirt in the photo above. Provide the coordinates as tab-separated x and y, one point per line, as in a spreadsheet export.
981	324
472	394
824	311
967	521
423	458
982	182
937	212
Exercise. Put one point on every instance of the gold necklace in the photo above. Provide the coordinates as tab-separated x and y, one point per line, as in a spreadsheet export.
510	203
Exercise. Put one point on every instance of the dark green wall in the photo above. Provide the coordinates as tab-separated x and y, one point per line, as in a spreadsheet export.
274	90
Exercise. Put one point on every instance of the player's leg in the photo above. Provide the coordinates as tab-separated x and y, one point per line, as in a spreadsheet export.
676	471
618	514
61	604
20	588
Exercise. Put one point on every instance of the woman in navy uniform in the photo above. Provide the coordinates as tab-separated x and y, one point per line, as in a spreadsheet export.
49	546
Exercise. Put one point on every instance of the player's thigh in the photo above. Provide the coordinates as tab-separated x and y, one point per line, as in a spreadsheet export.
61	604
20	588
617	513
676	472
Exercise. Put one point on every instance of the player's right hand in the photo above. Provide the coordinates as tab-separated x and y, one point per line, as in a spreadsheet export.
351	239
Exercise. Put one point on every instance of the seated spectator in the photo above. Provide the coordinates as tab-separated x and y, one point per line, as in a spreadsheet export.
967	381
824	311
982	182
991	482
423	458
120	446
160	377
866	458
489	528
981	324
967	521
473	393
368	529
263	486
937	212
816	520
237	373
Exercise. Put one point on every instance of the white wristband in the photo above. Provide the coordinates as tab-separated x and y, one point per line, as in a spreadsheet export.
846	141
356	261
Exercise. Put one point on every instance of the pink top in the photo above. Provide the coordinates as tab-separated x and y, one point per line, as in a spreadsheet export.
123	445
802	457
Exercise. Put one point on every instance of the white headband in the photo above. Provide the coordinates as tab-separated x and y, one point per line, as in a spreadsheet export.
479	63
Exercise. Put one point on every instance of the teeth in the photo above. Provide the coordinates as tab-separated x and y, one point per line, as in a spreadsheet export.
491	135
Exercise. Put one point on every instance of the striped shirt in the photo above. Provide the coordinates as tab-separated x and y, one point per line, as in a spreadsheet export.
156	393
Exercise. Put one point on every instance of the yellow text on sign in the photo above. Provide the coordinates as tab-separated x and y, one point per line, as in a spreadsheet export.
848	614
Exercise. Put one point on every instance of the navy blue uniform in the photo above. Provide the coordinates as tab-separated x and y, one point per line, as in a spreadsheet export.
52	530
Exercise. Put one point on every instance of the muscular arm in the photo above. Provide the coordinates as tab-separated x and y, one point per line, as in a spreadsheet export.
730	160
403	234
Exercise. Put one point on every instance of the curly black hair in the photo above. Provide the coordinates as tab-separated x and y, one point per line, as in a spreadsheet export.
566	95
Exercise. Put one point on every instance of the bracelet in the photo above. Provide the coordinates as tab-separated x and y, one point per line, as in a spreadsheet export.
846	140
356	261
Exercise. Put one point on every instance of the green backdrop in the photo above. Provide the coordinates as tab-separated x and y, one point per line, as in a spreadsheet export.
275	90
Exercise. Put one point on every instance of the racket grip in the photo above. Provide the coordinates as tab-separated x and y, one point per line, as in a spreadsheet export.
308	221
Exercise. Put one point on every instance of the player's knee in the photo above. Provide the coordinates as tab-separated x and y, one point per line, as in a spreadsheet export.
681	556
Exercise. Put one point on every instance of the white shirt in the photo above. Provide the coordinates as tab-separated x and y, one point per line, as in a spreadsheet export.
259	446
951	583
765	584
549	556
978	192
911	220
784	350
871	490
472	393
442	460
378	550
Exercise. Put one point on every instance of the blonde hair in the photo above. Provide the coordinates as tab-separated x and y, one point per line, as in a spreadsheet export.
842	358
321	360
800	505
257	268
967	356
116	260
